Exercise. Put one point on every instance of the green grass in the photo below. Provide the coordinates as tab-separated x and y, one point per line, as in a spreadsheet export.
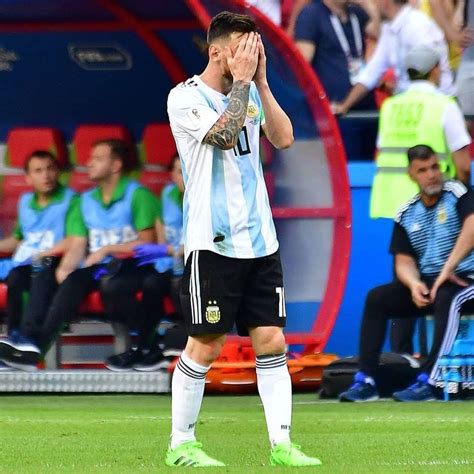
129	434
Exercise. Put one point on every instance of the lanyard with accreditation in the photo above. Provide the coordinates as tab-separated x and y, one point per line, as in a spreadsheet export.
355	65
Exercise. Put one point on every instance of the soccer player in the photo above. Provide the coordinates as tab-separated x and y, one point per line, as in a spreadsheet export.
233	272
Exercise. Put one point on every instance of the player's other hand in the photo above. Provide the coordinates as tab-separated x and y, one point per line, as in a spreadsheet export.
420	294
443	277
261	72
243	62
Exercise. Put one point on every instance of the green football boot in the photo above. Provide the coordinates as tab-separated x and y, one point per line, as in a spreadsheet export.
289	454
190	454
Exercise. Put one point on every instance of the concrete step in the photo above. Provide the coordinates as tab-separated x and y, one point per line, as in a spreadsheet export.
85	381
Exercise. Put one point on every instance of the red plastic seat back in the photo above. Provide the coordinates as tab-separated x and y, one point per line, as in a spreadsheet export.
12	187
80	182
86	135
154	180
21	142
159	147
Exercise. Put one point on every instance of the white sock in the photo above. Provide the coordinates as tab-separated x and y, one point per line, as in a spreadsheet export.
187	390
274	387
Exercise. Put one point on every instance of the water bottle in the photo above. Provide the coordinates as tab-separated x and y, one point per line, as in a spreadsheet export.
454	375
443	366
36	263
469	368
464	368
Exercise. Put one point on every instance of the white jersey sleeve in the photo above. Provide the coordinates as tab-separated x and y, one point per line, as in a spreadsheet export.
189	110
225	208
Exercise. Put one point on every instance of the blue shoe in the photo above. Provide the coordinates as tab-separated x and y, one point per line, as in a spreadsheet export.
363	390
420	391
14	335
19	350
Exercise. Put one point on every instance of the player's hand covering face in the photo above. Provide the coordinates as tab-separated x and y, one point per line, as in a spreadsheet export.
243	62
261	72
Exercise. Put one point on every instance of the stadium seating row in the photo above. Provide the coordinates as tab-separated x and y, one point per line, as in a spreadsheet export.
155	153
156	147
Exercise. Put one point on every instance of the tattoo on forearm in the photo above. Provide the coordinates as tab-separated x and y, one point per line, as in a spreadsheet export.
225	132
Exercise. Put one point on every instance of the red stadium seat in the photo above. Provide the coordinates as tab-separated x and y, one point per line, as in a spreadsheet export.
267	152
93	303
86	135
471	150
154	180
79	181
270	183
3	296
158	146
21	142
12	186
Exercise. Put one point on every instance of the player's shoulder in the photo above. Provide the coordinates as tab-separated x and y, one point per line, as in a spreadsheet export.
455	188
187	87
184	93
405	208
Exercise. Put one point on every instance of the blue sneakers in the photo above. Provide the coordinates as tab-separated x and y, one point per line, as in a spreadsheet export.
363	390
420	391
19	352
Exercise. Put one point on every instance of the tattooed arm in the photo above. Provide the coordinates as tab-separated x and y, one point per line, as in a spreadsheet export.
225	132
242	64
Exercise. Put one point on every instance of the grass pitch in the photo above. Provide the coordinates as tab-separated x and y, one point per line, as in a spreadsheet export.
129	434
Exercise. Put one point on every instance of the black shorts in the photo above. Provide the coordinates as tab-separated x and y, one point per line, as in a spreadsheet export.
219	291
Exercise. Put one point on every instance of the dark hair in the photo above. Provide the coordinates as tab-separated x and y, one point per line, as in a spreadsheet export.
42	155
420	152
415	75
400	2
226	23
119	150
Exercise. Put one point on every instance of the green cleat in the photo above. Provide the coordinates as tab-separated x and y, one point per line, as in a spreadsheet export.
190	454
289	454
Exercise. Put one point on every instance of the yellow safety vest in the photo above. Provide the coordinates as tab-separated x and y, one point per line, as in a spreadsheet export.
408	119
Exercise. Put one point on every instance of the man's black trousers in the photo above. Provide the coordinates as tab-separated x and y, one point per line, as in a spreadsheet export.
394	301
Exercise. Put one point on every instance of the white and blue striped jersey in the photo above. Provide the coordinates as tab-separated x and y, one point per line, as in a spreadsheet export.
226	207
433	231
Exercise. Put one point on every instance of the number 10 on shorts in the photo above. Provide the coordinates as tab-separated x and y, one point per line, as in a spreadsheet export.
281	301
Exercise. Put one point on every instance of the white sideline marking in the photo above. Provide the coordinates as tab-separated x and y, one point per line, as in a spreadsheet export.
433	462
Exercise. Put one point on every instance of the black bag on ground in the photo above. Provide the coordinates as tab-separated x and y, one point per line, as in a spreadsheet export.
396	372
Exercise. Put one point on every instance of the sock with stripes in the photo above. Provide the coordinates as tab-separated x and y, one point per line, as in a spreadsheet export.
187	390
274	387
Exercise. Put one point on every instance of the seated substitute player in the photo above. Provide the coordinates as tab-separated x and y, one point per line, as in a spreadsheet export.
425	234
233	272
164	279
43	223
113	217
